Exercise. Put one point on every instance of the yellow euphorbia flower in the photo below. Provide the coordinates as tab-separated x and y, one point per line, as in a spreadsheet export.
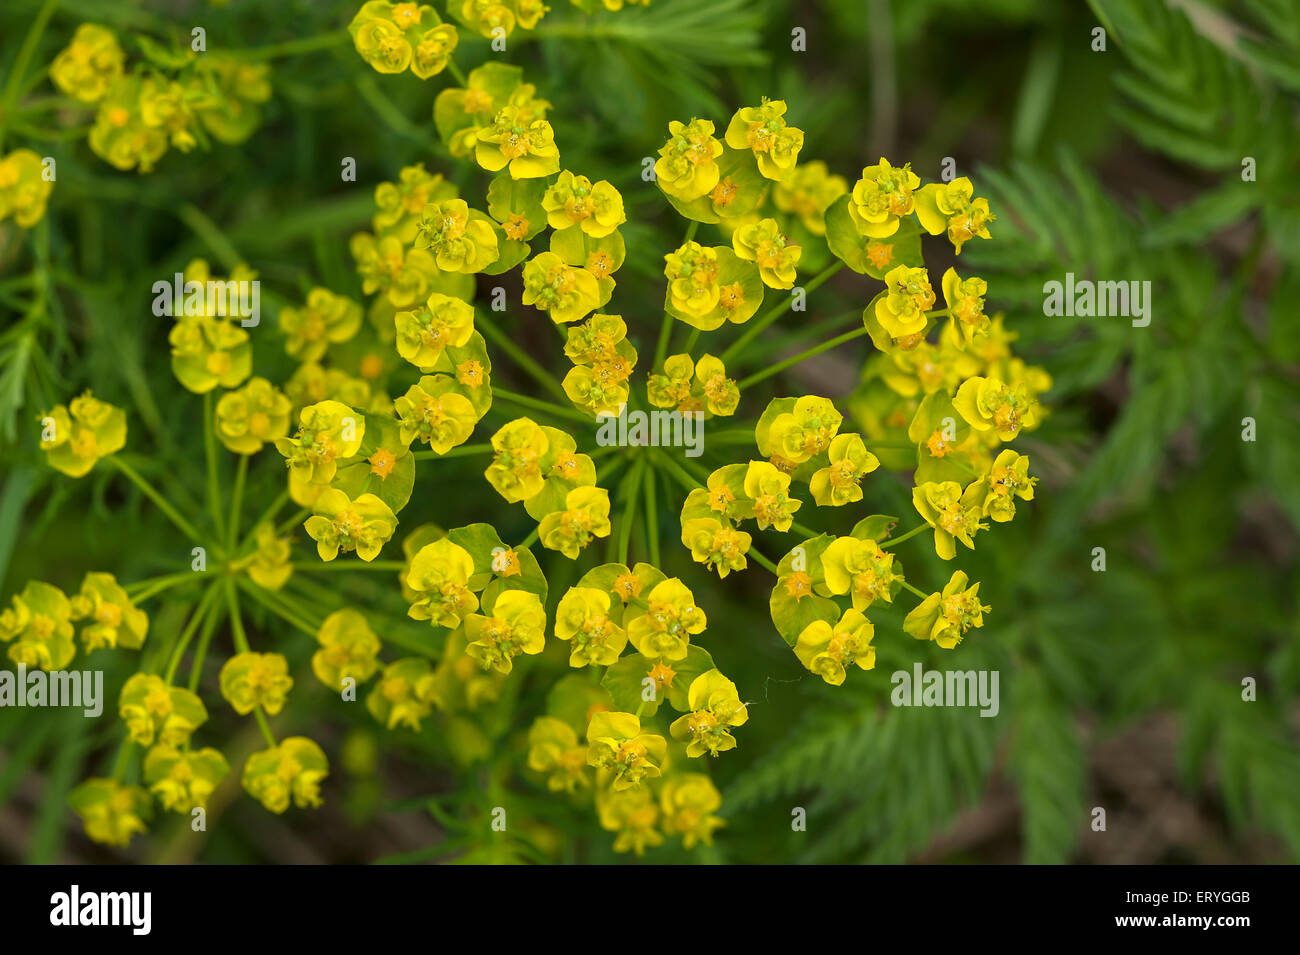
404	694
582	618
459	238
901	310
269	565
110	811
949	206
859	568
764	243
348	649
517	625
526	146
991	404
209	351
111	619
564	292
250	680
763	129
402	272
120	136
573	200
1007	480
632	814
692	273
555	751
434	50
806	430
443	322
952	513
881	196
827	650
965	300
688	803
327	432
75	437
38	626
254	415
439	576
945	617
515	470
24	190
152	710
769	488
380	39
89	65
840	483
325	318
615	743
399	206
342	524
585	515
291	771
184	780
671	617
719	547
431	411
687	166
163	105
715	708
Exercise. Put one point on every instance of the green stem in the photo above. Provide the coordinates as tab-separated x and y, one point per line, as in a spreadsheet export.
691	341
278	605
919	593
162	503
781	366
159	584
520	357
890	542
464	451
268	515
310	44
264	726
536	404
123	759
757	325
531	539
237	500
19	69
236	621
205	638
763	561
210	450
290	522
676	470
200	614
322	567
633	485
456	71
651	516
661	348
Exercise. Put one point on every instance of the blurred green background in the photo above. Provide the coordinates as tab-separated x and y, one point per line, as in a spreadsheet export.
1120	689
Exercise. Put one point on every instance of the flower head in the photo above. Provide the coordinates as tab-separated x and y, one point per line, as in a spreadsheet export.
715	709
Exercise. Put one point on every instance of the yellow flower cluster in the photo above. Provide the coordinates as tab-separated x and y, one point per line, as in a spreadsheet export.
141	111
